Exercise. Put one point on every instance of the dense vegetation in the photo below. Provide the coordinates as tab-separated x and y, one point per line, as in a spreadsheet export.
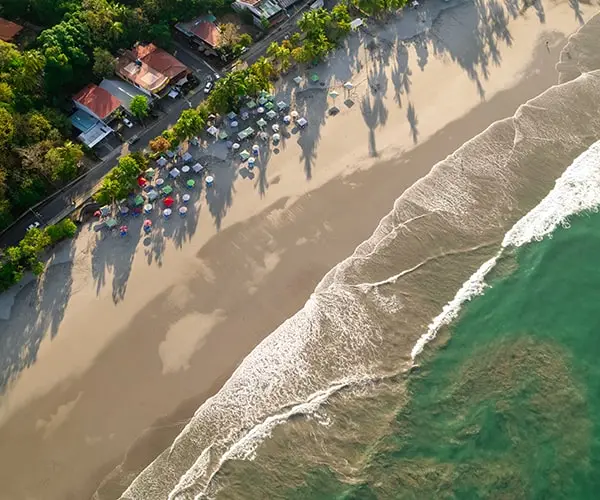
26	255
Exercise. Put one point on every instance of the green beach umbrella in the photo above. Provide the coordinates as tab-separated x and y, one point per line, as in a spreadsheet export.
314	78
261	123
138	201
191	183
269	105
167	189
251	104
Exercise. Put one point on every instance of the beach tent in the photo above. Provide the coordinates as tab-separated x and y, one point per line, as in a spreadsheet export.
271	115
251	104
270	97
298	80
302	122
138	201
231	115
212	130
110	223
269	105
187	157
357	23
149	172
262	101
261	123
197	168
168	202
152	195
162	161
223	135
167	190
282	105
244	155
174	173
171	154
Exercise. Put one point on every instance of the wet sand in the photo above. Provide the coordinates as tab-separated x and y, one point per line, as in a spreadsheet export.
114	372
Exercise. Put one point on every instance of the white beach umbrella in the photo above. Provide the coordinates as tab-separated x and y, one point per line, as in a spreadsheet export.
294	114
255	149
185	169
260	110
287	119
302	122
348	86
298	80
251	161
276	137
275	127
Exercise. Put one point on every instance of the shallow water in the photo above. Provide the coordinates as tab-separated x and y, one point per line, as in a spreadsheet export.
325	405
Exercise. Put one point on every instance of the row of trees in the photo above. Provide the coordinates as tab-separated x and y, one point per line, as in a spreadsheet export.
26	255
122	179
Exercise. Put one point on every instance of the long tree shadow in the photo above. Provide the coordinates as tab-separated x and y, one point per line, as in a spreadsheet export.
38	311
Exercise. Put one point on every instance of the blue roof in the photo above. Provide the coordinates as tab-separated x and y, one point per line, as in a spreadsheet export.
82	120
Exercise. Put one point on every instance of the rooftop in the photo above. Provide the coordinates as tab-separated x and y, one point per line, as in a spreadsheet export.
99	101
123	91
268	8
83	121
141	73
9	30
159	60
205	30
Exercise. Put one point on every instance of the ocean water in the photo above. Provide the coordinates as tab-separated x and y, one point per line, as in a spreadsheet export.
333	405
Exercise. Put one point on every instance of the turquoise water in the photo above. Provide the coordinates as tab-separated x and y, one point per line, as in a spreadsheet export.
507	404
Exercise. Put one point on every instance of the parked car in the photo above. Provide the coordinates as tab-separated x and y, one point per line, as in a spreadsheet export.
127	123
208	87
34	225
133	139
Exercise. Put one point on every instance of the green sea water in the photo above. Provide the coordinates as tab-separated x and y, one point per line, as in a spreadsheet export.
507	403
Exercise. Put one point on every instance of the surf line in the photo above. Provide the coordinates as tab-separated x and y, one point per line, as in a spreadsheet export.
576	190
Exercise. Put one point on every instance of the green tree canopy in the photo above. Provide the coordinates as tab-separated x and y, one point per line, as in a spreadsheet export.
139	107
104	63
190	123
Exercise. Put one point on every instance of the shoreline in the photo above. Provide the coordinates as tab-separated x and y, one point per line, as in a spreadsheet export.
261	266
418	162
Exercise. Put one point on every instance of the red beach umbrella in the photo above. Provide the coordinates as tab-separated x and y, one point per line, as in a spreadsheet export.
141	181
97	213
168	201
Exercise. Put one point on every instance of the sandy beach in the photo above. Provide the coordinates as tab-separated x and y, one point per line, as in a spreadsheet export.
108	356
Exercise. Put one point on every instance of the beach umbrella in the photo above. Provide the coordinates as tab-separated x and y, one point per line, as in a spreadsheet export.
137	211
269	105
197	168
212	116
147	222
270	97
235	146
141	181
124	210
167	212
194	141
245	115
260	110
255	149
298	80
282	105
187	157
251	163
229	144
287	119
244	155
209	181
276	137
275	127
171	154
186	197
138	200
191	183
162	161
294	114
149	172
264	136
168	202
251	104
174	173
183	211
333	94
261	123
185	169
147	208
110	223
263	93
348	86
234	124
271	115
262	100
152	195
97	213
159	182
302	122
147	229
212	130
123	230
314	78
167	190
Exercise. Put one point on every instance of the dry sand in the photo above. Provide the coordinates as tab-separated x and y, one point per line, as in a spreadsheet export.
124	338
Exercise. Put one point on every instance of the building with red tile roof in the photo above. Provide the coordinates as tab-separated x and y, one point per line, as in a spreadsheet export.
9	30
97	102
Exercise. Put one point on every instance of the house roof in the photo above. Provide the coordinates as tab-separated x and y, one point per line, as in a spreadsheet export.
9	30
206	31
99	101
159	60
123	91
140	73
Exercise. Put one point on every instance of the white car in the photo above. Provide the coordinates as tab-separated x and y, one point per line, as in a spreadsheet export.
34	225
127	123
208	87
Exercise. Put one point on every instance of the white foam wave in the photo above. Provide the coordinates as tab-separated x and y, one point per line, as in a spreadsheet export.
576	190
